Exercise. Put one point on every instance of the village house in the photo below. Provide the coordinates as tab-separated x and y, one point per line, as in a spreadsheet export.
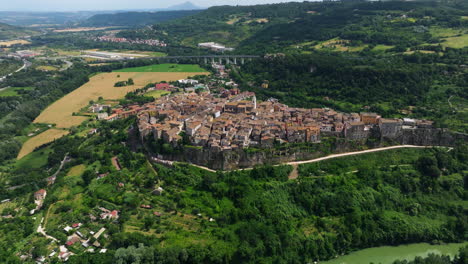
162	86
102	116
356	131
369	118
40	195
109	215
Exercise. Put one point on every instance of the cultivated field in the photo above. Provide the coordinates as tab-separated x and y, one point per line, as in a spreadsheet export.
80	29
14	42
41	139
101	85
167	67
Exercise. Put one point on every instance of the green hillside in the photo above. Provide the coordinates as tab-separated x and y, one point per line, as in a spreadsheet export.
308	26
12	32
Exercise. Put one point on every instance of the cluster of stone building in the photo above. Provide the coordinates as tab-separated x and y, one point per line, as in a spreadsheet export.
113	38
236	120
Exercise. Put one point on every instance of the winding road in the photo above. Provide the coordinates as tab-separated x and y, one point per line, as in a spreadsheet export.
26	64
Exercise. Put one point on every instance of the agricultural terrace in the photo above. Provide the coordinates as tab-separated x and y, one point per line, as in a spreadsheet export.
167	67
39	140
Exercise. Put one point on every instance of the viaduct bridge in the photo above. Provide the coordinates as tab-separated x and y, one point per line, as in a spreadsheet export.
227	59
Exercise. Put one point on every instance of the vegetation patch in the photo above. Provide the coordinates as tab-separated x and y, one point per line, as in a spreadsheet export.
166	68
157	93
35	159
39	140
14	91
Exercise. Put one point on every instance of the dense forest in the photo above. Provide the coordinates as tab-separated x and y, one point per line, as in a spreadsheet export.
8	66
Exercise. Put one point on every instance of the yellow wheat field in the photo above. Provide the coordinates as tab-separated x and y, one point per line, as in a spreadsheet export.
61	112
39	140
14	42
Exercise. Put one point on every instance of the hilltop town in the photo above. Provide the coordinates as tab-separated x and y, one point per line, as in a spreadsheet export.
220	119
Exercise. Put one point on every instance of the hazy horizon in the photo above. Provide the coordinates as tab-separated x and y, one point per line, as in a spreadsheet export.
109	5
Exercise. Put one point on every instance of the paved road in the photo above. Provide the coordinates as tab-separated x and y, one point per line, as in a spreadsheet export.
65	159
26	64
296	163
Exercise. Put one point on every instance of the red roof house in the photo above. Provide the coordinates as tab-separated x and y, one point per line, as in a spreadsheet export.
162	86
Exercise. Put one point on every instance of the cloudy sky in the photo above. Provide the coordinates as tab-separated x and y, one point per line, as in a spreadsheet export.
75	5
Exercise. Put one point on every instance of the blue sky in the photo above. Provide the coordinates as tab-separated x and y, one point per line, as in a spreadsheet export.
75	5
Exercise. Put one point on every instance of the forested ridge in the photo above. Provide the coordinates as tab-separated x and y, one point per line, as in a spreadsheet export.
276	27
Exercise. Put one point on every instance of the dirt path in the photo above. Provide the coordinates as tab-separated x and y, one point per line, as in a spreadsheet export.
294	164
42	231
354	153
294	173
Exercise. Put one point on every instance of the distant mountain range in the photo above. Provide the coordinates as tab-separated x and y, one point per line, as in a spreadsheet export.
133	19
184	6
23	18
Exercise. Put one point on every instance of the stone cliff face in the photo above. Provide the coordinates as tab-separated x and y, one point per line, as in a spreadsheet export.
431	137
236	159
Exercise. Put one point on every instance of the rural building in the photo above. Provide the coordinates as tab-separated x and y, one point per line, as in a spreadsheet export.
214	46
40	195
162	86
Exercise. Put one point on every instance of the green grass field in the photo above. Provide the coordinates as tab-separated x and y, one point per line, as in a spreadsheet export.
156	93
453	38
165	68
13	91
35	159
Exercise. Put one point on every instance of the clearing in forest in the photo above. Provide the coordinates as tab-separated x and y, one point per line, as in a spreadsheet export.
41	139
